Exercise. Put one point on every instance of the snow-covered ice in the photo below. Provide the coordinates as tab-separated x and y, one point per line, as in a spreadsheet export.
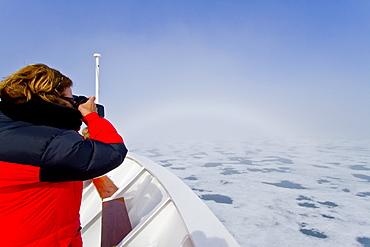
277	192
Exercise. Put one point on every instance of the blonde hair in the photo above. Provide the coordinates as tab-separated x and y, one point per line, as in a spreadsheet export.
35	80
85	133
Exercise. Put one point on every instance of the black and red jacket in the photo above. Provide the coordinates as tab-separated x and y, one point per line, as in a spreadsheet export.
41	174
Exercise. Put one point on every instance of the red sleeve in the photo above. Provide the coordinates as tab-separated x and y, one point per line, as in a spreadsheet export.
101	129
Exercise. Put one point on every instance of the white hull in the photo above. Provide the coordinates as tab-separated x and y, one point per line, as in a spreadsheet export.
163	211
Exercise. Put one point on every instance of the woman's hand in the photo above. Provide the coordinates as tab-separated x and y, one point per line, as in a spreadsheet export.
88	107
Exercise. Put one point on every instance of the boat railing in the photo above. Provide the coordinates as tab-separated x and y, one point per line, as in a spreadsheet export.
162	210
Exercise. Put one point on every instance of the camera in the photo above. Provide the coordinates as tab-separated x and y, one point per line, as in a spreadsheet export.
82	99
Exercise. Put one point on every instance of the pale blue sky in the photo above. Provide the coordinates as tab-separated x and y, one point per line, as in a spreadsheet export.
205	68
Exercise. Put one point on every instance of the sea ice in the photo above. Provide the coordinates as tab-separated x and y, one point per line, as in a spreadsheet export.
277	193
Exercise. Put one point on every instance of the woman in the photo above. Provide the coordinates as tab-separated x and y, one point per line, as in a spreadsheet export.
43	159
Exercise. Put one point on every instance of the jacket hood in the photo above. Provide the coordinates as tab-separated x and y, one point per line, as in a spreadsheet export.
40	112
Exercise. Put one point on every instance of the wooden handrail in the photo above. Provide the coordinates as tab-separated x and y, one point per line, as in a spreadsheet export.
115	220
104	186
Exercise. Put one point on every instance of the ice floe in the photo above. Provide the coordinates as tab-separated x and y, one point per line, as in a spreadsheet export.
277	192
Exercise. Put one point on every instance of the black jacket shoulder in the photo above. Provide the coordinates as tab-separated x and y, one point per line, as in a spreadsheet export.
62	155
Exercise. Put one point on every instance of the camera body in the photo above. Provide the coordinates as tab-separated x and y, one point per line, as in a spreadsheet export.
82	99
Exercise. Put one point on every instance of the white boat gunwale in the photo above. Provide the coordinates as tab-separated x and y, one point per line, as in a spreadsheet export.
203	227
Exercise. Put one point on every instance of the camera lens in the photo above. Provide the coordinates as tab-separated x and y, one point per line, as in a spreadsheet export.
79	100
